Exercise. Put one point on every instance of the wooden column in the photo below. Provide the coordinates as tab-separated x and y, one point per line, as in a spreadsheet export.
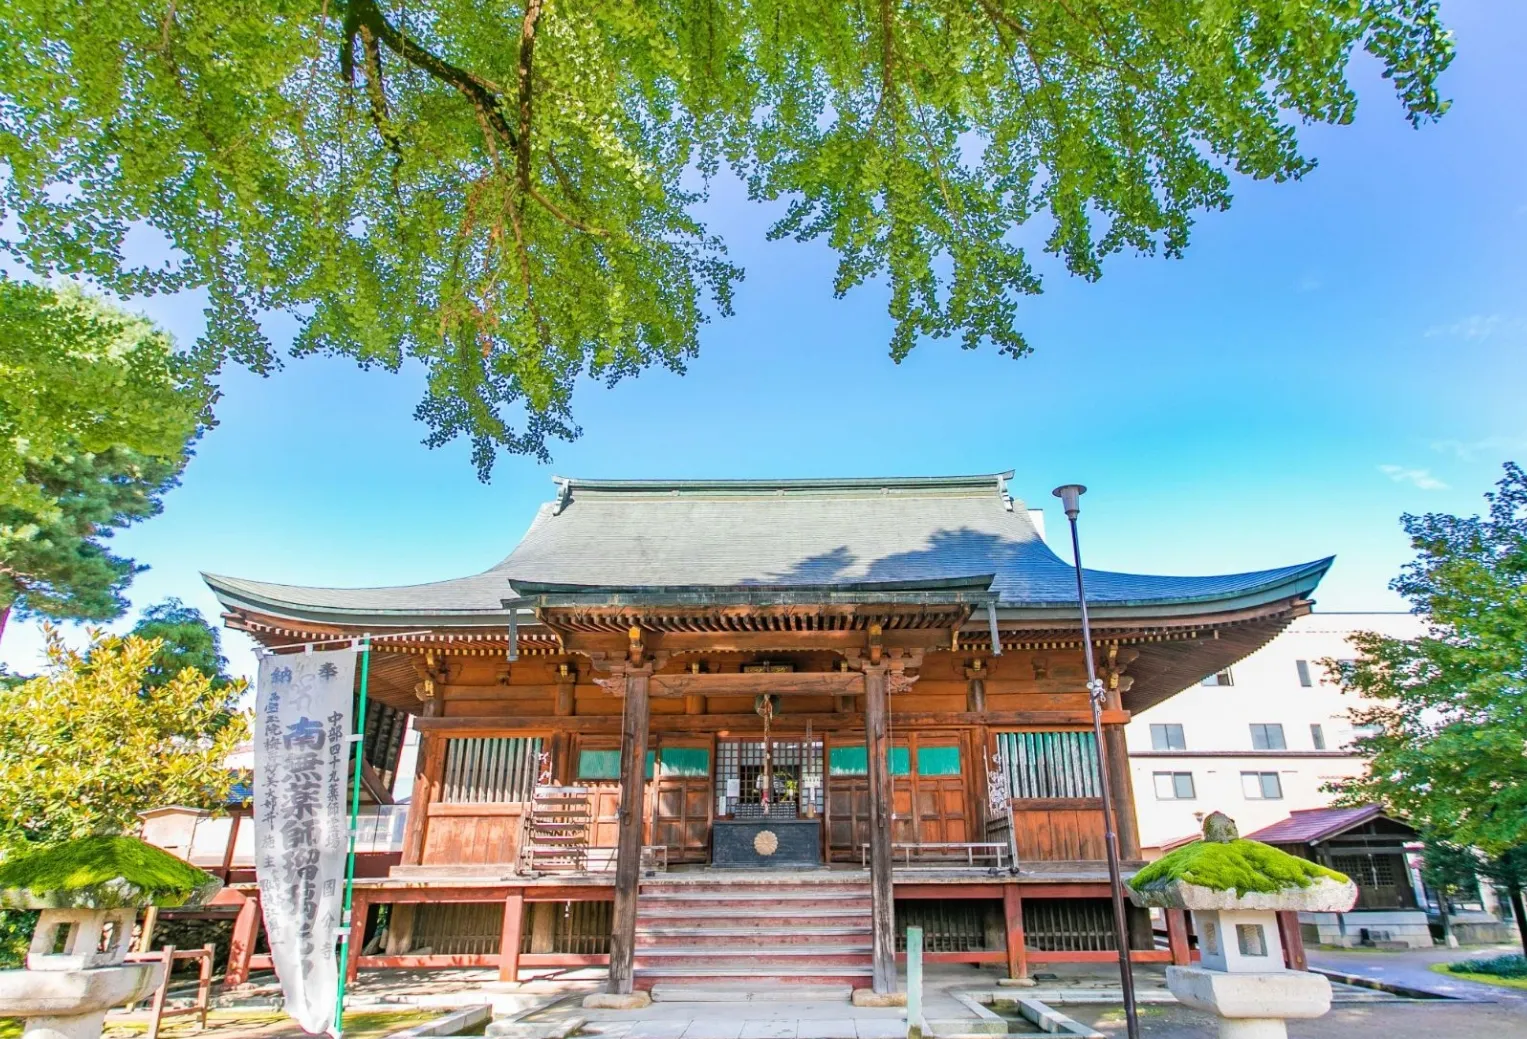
235	817
883	899
628	851
429	765
1177	936
975	689
360	908
1121	782
246	929
566	704
1293	940
509	940
1012	912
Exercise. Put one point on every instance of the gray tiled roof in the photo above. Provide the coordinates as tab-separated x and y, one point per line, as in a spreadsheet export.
638	534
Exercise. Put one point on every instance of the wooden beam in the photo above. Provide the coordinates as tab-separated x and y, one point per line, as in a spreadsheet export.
787	722
883	903
749	683
628	850
509	939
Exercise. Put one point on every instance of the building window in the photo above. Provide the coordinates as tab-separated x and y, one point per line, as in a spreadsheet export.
1267	737
1317	736
1174	786
1261	786
1304	673
1167	737
1219	678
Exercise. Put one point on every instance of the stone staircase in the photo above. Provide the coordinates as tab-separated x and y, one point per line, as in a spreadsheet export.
751	929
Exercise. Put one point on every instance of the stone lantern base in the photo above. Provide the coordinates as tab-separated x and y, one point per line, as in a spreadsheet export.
72	1004
1251	1006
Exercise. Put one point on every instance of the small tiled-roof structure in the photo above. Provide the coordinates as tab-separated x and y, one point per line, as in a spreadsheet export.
1313	825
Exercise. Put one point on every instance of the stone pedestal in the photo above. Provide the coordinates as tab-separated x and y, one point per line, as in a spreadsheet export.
72	1004
1251	1006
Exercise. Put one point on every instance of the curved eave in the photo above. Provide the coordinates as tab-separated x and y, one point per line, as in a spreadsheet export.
235	597
1291	583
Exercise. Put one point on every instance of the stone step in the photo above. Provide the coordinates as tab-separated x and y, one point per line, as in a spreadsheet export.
666	916
762	992
757	936
849	977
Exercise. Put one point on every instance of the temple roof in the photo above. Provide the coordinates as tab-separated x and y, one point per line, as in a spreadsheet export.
890	535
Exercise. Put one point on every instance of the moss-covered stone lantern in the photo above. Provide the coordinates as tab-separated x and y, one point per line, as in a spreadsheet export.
89	892
1235	888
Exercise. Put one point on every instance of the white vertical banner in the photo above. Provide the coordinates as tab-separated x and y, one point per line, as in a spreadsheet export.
301	758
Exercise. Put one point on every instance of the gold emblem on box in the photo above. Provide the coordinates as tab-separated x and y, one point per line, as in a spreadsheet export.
766	842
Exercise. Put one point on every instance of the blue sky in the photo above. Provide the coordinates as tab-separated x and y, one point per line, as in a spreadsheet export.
1328	355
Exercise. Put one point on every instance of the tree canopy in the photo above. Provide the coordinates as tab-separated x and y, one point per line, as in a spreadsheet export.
97	414
508	192
91	742
185	640
1445	710
81	377
54	558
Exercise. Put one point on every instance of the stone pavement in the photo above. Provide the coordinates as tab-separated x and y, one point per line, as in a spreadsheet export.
1411	968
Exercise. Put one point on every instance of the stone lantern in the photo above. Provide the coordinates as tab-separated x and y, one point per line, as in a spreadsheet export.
1235	888
88	892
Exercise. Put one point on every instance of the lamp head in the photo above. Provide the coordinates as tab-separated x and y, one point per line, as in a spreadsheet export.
1070	498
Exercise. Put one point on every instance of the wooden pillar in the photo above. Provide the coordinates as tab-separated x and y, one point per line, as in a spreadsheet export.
975	689
1177	936
246	929
235	817
883	899
400	928
509	940
628	850
360	908
1293	940
1121	783
543	926
1012	912
427	773
566	703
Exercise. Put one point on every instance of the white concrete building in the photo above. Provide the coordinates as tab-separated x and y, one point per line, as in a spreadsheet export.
1258	740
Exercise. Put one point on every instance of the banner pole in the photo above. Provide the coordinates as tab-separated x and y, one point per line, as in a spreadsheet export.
355	807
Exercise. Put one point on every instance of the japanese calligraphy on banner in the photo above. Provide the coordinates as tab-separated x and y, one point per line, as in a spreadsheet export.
301	759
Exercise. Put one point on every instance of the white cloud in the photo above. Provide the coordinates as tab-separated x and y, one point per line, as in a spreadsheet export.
1469	450
1419	478
1476	327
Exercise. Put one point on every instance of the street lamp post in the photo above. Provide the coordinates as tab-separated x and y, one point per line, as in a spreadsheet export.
1070	496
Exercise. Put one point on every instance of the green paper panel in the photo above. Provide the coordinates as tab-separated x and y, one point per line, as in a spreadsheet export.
599	764
848	761
685	761
938	761
900	761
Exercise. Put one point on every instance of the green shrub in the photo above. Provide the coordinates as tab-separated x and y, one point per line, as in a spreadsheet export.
1513	965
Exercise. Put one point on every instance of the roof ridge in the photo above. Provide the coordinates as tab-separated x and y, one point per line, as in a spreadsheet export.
985	482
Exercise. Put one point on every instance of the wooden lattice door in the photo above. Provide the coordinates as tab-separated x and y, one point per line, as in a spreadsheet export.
682	800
